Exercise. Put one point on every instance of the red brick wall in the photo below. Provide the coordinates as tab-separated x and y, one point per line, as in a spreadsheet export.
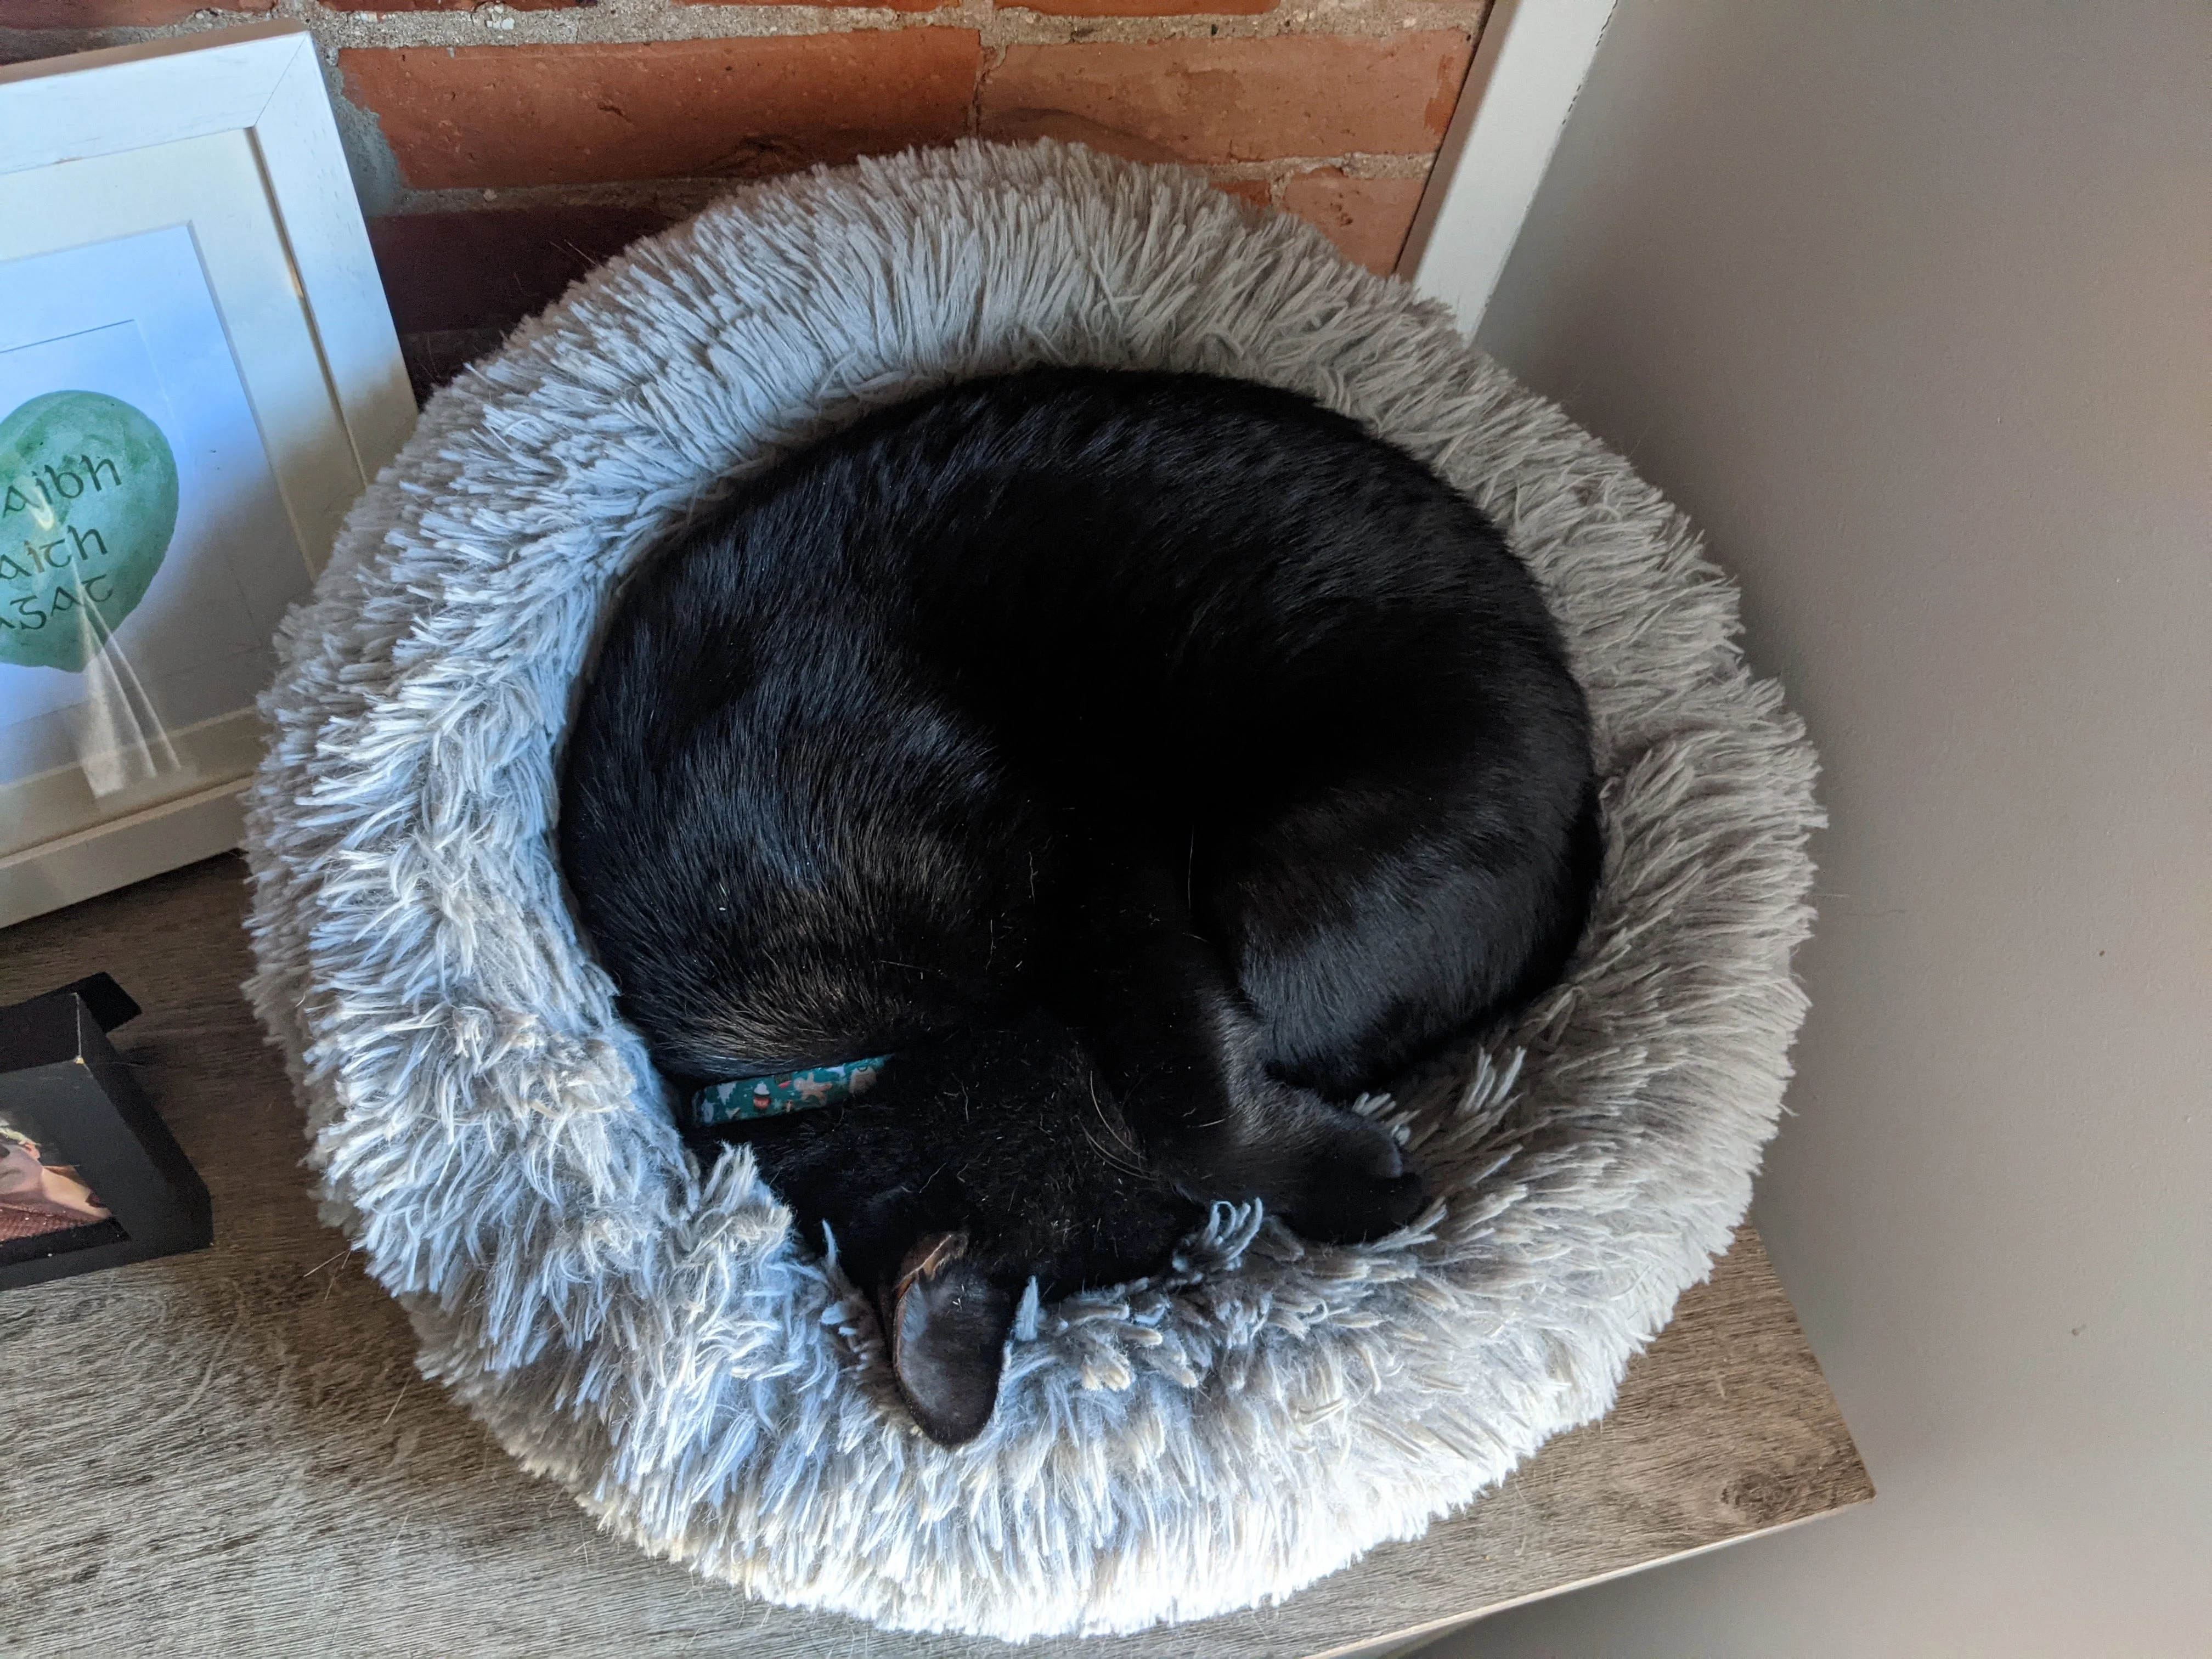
500	149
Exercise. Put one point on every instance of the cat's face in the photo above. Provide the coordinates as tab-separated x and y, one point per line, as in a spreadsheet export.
1004	1154
970	1168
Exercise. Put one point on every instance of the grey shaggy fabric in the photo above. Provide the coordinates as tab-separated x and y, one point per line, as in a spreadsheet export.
648	1332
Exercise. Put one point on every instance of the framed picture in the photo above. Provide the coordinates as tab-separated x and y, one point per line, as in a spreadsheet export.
89	1177
198	375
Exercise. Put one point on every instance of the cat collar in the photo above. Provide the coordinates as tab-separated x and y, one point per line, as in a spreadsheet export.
743	1098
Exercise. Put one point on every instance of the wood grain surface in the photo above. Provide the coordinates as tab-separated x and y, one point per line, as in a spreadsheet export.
229	1452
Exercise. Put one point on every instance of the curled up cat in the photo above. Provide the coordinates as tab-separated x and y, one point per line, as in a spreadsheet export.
1121	772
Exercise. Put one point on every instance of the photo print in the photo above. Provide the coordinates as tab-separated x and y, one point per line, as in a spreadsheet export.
46	1205
146	557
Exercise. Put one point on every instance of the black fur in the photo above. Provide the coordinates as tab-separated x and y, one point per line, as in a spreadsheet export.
1148	762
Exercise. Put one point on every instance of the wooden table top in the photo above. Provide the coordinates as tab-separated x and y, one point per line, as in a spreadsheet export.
235	1456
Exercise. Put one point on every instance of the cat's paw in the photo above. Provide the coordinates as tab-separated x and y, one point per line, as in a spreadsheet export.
1352	1185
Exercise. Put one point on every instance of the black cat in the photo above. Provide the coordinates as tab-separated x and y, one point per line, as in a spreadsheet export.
1145	762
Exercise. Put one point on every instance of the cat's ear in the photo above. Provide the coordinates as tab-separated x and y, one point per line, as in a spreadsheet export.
948	1326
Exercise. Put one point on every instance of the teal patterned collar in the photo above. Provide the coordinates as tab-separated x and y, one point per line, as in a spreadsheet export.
744	1099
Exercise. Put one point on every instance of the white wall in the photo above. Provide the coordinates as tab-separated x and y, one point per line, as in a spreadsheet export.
1907	304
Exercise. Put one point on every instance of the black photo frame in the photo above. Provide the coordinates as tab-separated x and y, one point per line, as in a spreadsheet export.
89	1177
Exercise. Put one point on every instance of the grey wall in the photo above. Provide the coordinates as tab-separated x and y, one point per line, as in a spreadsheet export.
1906	304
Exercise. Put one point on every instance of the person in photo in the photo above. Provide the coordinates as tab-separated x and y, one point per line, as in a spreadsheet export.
37	1197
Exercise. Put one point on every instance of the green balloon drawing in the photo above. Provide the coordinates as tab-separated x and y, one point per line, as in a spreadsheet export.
88	505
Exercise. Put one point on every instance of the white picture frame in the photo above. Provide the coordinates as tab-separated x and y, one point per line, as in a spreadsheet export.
230	133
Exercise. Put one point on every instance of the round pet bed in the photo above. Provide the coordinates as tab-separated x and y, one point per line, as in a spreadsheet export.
650	1333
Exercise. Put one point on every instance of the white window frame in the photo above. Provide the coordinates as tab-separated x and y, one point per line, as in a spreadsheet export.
1528	67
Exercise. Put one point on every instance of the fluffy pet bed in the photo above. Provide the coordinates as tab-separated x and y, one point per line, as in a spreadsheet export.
649	1333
